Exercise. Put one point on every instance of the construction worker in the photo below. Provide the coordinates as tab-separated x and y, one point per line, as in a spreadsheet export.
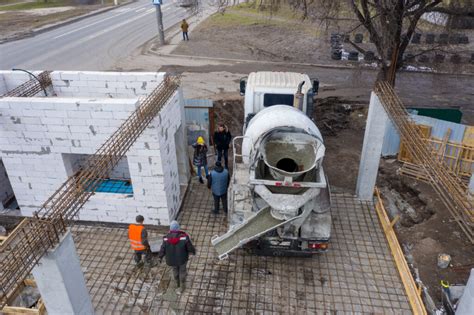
200	157
138	236
176	247
222	138
184	28
218	182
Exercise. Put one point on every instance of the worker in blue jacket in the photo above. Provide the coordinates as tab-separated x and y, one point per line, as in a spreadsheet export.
218	183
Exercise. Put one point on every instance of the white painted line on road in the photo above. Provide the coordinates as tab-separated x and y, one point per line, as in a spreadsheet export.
115	26
97	22
151	10
140	10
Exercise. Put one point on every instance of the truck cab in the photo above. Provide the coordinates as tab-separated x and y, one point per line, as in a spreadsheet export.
264	89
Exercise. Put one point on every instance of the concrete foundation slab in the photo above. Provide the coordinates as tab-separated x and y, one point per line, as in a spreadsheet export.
357	274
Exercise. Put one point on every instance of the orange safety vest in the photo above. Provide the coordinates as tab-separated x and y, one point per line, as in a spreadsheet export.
135	236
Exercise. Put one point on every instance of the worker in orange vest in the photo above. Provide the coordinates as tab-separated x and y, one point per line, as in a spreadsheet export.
138	236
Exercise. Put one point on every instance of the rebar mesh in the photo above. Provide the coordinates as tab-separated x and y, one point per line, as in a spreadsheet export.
32	86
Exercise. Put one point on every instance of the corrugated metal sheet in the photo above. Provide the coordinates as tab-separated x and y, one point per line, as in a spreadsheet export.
439	127
197	119
278	80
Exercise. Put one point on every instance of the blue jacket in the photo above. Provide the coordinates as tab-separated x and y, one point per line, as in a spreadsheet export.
218	181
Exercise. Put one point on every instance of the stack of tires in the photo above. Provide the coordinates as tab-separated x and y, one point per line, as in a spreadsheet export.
336	46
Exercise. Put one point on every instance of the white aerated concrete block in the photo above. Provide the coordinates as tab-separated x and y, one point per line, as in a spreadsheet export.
36	135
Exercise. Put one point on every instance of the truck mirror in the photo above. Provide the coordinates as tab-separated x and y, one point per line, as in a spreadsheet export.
315	86
243	84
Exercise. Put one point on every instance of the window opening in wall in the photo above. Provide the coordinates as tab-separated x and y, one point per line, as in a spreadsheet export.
117	182
8	199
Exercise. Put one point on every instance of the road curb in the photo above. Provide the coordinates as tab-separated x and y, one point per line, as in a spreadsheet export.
316	65
49	27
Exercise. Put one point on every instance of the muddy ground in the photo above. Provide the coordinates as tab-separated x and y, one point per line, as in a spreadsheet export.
423	236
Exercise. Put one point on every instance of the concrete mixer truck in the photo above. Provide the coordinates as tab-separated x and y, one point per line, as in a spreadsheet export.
279	197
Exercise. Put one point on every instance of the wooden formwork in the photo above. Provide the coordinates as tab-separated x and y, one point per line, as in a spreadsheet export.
458	157
40	308
449	187
412	289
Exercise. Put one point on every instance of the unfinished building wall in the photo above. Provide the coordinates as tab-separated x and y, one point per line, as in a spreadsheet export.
105	84
36	132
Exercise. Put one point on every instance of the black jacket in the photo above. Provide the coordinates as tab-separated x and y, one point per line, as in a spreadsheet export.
222	140
176	247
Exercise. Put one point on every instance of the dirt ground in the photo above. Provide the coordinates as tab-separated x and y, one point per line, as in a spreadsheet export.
17	24
286	38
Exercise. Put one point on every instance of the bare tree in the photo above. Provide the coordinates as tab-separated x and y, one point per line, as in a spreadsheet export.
392	23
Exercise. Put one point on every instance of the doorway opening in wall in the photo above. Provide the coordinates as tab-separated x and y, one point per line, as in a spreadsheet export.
118	180
8	199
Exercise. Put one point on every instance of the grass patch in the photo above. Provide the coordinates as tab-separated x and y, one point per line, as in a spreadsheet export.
40	4
35	5
230	18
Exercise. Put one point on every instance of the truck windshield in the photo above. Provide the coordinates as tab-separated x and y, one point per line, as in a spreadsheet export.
277	99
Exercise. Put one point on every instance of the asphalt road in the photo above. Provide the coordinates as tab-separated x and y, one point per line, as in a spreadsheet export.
94	43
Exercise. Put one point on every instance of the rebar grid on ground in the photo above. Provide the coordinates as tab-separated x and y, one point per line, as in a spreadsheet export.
356	275
28	244
449	187
32	86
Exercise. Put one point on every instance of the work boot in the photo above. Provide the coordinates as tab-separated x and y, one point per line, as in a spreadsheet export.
200	180
176	283
182	287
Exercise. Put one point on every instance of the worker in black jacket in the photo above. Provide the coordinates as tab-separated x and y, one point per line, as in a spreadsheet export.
176	247
222	138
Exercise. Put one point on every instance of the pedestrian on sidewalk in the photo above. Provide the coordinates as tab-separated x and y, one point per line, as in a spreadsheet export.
138	236
218	182
200	157
184	28
177	247
222	138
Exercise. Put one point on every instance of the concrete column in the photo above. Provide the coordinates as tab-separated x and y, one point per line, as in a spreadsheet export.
61	282
377	121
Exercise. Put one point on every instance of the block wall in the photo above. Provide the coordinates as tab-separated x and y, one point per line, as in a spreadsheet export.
105	84
36	132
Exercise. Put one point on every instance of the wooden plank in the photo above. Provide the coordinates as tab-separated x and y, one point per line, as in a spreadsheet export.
19	310
468	139
411	288
18	227
404	155
30	282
